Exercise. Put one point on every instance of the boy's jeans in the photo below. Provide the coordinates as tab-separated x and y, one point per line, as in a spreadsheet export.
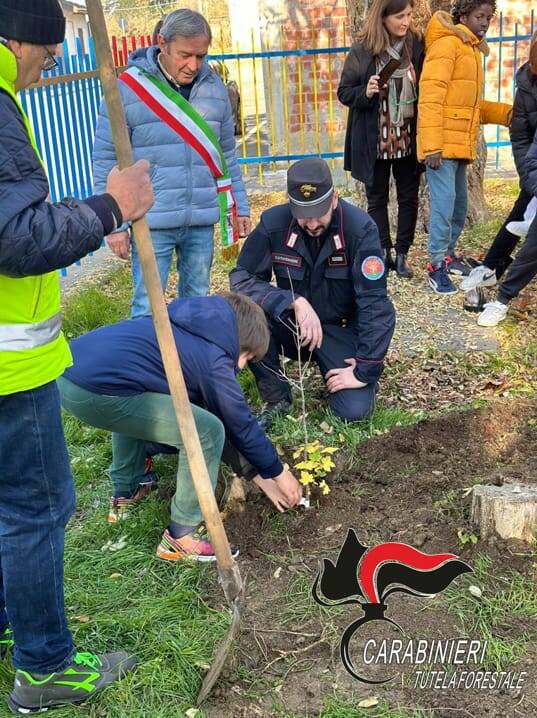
195	249
449	202
37	497
136	419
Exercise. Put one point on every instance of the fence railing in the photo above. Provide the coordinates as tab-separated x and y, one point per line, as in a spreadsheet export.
288	105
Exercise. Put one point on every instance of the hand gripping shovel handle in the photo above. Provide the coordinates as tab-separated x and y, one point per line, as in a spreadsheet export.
228	571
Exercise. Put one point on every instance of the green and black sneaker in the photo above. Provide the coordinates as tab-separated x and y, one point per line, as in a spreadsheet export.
84	677
6	641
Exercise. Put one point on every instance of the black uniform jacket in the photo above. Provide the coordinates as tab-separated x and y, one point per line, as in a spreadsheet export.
346	285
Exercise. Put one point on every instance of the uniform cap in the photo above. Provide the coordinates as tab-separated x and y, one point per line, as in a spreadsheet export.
310	188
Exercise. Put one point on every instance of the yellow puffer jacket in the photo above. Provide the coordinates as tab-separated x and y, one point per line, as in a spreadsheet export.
450	108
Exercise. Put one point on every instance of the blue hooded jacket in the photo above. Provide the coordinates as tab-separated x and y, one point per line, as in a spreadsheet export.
124	359
185	189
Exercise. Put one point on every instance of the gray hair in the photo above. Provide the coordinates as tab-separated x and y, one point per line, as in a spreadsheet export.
185	23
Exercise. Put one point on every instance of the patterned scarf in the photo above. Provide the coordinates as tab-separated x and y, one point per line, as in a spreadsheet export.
402	93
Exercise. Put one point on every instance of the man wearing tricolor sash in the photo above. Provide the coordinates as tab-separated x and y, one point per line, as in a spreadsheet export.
180	119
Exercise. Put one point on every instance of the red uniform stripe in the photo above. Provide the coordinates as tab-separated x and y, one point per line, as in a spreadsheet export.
171	121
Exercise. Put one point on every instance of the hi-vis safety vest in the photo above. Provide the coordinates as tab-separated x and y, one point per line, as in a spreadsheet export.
33	350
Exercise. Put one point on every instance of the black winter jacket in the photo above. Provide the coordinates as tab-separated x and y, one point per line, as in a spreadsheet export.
335	283
361	138
524	122
37	237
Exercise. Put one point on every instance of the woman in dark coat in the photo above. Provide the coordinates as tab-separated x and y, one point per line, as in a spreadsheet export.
381	129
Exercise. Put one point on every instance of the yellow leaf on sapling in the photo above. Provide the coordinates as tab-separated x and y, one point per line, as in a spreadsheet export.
306	478
327	464
308	465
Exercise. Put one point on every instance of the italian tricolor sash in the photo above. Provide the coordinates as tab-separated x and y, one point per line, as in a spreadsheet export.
172	108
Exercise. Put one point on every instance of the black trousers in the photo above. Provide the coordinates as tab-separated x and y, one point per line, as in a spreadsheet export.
523	269
407	183
339	343
499	255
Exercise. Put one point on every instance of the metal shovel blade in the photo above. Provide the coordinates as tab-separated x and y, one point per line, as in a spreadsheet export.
220	656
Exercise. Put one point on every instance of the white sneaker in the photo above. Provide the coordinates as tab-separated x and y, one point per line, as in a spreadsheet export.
480	276
493	314
519	229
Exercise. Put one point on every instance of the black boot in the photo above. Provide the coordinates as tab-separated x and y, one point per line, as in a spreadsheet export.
387	258
271	410
402	268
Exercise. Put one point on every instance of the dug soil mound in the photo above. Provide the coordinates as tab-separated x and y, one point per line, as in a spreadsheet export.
412	485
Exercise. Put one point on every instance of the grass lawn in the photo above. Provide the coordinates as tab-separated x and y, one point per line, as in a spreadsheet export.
119	595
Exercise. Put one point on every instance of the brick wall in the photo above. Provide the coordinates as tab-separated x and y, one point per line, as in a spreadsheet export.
310	24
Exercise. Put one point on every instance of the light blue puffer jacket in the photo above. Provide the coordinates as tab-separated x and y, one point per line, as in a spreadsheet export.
185	190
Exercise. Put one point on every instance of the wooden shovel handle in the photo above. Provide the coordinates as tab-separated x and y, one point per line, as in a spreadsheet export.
168	349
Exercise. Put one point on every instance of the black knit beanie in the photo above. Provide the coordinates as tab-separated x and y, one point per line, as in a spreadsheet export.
40	22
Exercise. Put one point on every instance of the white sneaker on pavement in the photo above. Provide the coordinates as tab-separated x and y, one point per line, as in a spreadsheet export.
519	229
493	314
480	276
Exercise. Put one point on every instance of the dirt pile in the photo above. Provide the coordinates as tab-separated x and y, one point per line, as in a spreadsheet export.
411	485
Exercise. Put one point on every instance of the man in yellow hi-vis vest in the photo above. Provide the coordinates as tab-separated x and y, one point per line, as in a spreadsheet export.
36	488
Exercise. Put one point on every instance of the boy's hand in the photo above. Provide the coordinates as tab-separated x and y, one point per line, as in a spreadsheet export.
434	161
289	486
270	488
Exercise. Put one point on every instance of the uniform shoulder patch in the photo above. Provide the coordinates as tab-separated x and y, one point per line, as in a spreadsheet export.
373	267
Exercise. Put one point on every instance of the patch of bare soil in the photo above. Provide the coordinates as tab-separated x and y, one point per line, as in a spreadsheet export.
409	486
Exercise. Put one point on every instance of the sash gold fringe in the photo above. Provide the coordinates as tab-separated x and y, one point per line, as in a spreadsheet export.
231	252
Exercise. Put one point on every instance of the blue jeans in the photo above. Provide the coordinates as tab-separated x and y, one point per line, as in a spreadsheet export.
449	202
195	249
37	497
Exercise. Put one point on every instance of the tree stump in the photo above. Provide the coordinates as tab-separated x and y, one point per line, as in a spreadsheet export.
509	511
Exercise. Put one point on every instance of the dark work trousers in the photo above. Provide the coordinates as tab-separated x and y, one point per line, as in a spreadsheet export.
499	255
523	269
339	343
407	182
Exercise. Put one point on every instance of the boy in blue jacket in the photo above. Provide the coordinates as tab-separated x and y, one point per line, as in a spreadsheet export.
118	383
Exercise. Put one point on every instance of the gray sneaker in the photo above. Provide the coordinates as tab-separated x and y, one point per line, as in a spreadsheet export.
480	276
84	677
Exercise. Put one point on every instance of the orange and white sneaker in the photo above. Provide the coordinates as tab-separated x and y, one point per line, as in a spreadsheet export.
121	507
194	546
